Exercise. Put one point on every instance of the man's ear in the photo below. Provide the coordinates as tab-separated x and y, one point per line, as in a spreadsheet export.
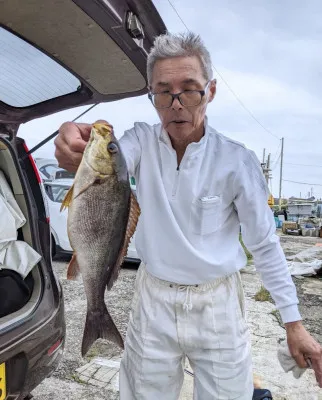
212	90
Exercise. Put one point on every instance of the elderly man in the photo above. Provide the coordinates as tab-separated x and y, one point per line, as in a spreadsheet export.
196	188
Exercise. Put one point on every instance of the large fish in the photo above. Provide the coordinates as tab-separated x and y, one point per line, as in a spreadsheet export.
102	218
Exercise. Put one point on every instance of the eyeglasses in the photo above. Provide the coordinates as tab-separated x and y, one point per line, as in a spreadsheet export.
187	98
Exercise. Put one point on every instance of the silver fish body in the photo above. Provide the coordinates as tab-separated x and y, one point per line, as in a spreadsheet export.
101	219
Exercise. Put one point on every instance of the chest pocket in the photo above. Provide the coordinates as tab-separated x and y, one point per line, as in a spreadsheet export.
205	216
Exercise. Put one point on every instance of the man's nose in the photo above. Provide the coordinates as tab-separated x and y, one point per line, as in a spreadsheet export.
176	105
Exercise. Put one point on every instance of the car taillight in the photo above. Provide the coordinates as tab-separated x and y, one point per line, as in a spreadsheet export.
39	180
34	166
55	347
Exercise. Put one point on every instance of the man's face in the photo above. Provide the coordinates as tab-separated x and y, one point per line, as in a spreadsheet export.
175	75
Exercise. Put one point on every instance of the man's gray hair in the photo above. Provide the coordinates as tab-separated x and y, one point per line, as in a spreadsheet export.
172	45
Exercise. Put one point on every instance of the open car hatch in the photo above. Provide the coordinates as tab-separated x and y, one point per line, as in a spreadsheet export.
59	54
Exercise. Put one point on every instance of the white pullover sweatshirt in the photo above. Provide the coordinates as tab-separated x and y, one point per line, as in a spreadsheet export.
188	231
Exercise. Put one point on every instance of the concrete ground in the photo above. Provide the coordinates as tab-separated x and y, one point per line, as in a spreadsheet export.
96	376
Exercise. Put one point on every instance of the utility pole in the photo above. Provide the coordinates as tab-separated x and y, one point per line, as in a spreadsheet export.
269	161
266	172
281	174
266	167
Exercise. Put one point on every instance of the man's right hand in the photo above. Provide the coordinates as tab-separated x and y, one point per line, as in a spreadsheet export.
70	144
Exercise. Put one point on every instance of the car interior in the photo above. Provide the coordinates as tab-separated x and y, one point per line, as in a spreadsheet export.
16	301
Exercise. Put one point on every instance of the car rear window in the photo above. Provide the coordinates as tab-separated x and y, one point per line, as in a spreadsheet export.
29	76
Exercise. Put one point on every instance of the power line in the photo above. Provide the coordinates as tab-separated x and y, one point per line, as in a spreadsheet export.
303	183
304	165
179	16
277	153
243	105
226	83
276	162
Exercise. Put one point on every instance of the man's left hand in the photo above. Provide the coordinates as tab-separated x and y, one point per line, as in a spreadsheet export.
303	347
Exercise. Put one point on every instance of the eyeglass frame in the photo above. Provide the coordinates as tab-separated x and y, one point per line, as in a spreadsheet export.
177	96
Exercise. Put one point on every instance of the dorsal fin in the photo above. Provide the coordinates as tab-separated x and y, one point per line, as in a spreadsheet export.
130	229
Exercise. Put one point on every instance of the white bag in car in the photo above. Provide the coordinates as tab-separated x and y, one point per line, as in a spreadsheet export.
15	255
11	203
19	257
8	229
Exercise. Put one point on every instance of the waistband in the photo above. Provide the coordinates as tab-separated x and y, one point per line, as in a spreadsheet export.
203	287
230	280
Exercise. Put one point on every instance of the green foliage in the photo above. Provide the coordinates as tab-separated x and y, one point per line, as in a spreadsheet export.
248	254
262	295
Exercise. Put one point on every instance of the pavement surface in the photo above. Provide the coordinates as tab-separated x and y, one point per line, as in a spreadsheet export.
96	376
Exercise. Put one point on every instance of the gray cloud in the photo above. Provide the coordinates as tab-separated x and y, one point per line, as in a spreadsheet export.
270	54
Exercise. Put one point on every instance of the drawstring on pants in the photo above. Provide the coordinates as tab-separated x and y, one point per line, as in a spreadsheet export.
187	305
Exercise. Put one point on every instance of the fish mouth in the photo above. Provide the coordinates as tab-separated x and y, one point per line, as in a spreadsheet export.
104	129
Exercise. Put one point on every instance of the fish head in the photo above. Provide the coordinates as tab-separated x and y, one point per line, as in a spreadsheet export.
103	153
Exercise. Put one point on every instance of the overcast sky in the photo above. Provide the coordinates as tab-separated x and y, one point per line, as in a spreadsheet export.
270	54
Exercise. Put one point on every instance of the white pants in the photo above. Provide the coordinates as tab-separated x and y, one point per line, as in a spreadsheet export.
205	322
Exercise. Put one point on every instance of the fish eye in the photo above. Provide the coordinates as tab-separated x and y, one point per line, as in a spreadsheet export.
112	147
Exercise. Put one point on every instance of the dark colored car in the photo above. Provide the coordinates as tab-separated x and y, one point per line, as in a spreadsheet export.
54	55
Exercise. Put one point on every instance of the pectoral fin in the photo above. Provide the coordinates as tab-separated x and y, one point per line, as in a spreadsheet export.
73	270
71	195
68	199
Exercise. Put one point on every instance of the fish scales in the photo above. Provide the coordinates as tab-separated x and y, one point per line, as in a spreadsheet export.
97	246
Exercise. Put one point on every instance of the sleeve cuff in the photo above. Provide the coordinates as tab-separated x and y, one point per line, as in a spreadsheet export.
290	314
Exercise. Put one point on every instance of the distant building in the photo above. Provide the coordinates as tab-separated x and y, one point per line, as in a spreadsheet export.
293	199
297	210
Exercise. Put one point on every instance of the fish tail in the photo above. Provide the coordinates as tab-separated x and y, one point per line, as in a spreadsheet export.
99	324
